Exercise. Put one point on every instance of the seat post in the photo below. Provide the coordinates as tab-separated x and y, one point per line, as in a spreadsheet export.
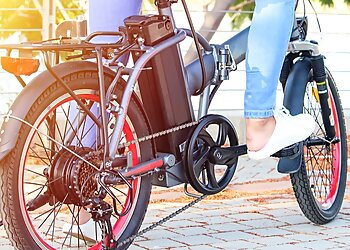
164	8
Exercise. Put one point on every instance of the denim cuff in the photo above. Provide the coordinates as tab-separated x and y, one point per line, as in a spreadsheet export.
258	113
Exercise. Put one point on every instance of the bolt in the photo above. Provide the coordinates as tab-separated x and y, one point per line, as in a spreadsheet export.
218	155
161	177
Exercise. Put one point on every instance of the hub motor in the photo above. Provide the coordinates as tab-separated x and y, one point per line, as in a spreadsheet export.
71	180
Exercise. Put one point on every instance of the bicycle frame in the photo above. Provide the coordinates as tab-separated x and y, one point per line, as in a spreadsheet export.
191	74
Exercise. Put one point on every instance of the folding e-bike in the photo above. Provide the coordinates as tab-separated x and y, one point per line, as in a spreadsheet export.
81	138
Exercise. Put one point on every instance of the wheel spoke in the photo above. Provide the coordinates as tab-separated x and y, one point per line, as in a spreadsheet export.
72	132
33	172
37	156
50	170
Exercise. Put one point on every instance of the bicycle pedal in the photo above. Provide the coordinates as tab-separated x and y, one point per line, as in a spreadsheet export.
290	151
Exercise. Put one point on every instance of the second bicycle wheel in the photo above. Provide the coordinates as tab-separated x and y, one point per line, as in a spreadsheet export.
44	185
320	183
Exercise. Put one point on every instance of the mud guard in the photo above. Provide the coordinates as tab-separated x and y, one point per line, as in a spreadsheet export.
293	100
28	96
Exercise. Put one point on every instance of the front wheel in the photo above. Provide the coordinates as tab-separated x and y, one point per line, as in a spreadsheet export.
44	186
320	183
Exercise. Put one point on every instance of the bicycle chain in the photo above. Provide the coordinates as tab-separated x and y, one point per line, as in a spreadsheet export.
158	134
126	144
160	222
177	212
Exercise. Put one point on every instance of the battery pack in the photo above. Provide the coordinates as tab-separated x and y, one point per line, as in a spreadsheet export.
163	88
151	28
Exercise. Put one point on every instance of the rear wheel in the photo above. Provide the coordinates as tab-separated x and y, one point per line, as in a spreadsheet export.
45	186
320	183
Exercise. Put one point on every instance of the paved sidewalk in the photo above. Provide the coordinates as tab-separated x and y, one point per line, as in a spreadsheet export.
257	211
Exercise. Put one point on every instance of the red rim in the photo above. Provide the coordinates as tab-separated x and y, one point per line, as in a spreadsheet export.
336	151
120	224
324	166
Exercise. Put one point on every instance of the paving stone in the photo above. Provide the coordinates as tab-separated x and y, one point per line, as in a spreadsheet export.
305	228
227	227
247	208
135	247
188	231
160	244
186	216
237	244
281	212
6	247
303	237
233	236
262	220
215	212
262	223
293	209
3	234
212	220
194	240
183	223
284	247
248	216
272	240
343	240
337	233
319	245
293	219
203	247
266	232
160	234
337	223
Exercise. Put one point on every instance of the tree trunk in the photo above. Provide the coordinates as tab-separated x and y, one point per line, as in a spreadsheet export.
212	20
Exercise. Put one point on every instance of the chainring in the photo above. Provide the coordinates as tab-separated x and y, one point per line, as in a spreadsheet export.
205	177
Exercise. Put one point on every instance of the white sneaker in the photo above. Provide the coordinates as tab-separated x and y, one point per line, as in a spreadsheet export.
90	231
289	130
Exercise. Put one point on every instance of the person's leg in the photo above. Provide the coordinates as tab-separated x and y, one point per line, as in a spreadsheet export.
104	15
108	15
267	45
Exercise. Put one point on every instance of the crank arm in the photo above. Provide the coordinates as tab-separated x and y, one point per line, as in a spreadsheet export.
140	169
321	142
226	156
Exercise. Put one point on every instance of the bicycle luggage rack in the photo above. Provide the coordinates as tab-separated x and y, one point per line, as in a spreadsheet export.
27	66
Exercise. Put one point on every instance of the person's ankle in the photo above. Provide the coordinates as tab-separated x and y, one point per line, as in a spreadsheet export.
258	132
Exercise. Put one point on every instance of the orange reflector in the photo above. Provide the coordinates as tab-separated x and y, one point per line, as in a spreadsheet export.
20	66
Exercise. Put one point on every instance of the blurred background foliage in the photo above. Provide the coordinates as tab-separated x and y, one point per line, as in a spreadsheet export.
23	15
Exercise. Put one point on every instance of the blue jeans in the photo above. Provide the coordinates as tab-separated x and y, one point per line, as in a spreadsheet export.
267	45
108	15
103	15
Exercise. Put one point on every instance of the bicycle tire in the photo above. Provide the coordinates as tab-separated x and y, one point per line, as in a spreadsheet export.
320	196
19	223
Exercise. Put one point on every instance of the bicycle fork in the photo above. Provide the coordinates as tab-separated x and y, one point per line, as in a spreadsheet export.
320	78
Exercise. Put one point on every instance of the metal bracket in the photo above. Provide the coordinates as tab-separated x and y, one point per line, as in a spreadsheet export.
224	63
299	46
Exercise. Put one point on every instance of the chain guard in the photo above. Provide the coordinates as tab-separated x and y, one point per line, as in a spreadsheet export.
205	177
